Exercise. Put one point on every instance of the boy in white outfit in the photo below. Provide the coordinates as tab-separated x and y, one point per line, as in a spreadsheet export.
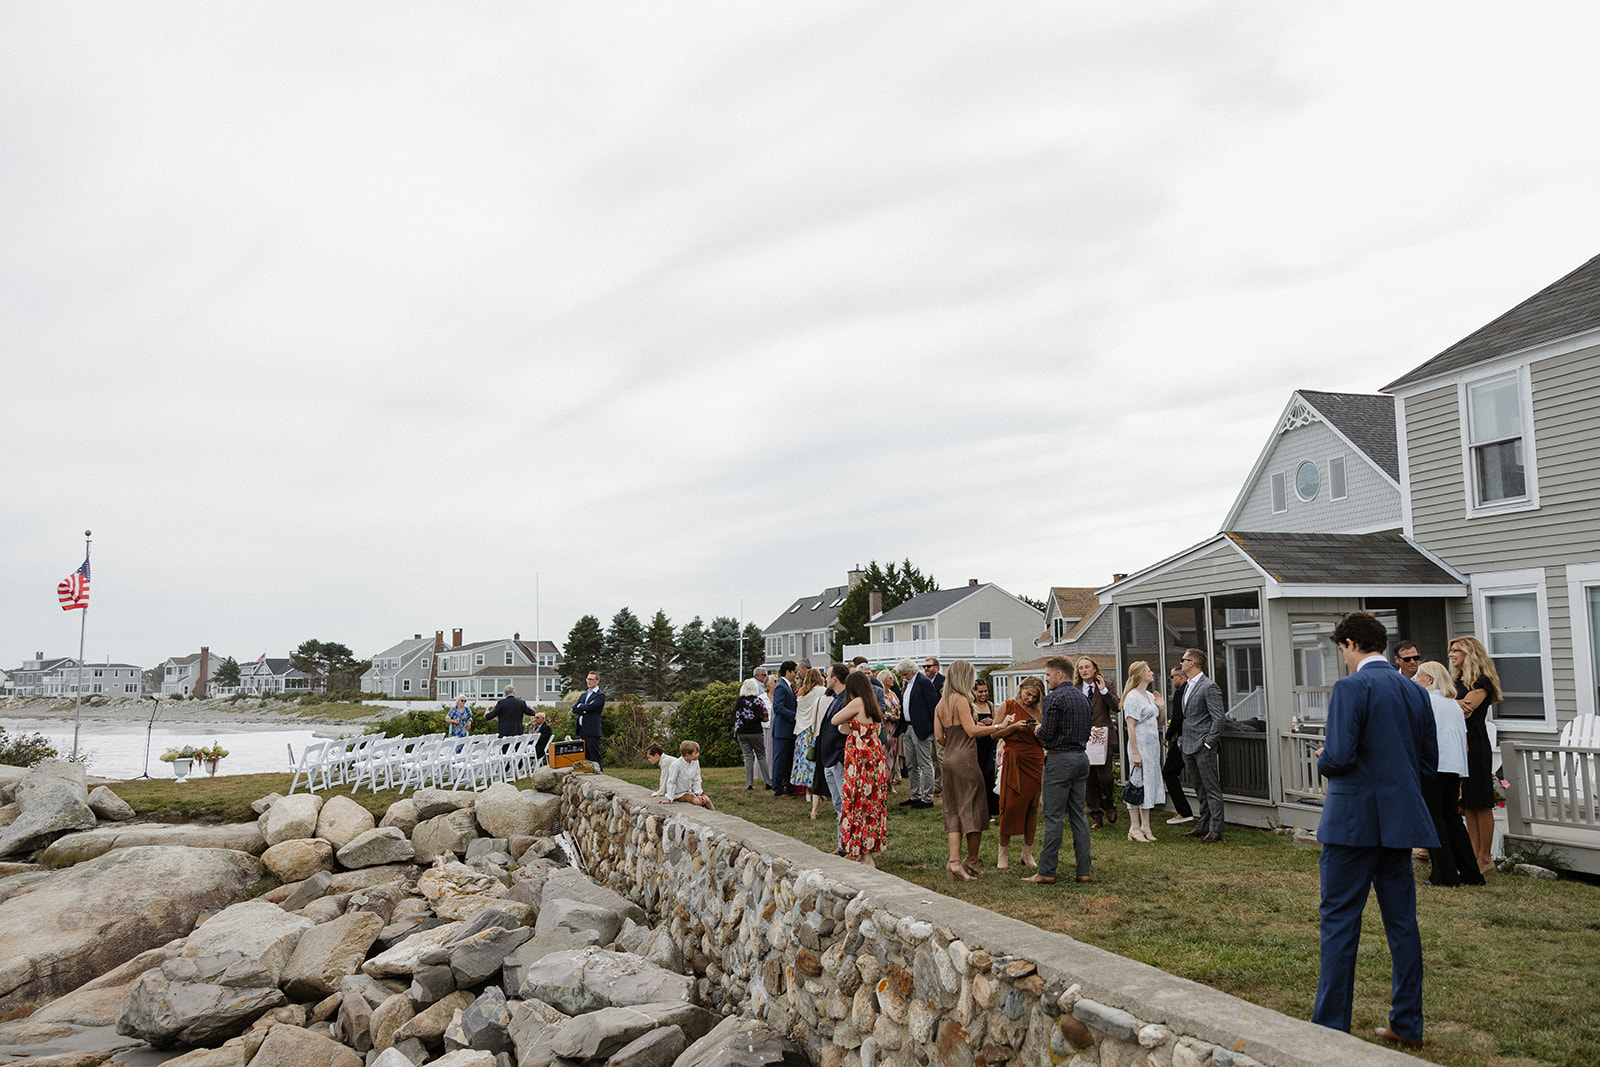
683	781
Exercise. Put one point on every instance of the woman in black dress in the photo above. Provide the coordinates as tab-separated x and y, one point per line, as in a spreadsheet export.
1478	686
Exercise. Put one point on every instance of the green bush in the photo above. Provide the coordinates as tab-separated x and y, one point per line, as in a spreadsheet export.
24	750
415	723
628	729
706	716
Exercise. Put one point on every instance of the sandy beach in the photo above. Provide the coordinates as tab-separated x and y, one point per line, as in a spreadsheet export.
222	713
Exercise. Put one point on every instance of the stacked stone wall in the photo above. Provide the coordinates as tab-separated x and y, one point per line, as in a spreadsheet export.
865	969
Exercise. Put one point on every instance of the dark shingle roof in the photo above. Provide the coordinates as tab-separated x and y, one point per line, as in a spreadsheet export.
1566	307
1341	559
1366	419
816	612
926	605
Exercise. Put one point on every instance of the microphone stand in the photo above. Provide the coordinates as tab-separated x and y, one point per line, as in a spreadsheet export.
148	730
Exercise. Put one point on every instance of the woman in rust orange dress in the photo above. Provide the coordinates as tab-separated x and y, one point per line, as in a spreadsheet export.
1021	771
864	816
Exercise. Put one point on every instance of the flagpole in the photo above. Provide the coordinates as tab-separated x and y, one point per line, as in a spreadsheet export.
83	626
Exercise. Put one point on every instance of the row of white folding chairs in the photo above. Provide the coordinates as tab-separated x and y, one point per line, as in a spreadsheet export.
324	764
434	760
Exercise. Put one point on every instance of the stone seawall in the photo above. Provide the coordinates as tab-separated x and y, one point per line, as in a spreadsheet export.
864	969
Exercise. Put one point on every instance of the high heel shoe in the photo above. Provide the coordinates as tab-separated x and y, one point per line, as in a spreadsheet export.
973	867
957	873
1003	862
1133	834
1029	862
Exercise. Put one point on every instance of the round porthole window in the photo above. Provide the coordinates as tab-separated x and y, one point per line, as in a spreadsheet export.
1307	481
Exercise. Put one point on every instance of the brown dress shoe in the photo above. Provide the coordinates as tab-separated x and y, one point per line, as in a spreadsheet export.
1211	839
1096	825
1389	1035
1194	833
1040	879
1084	878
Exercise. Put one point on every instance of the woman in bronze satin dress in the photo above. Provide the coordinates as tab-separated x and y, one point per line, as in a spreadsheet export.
966	811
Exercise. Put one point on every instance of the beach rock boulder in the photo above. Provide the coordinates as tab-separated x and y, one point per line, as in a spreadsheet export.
298	858
68	849
599	1034
53	799
588	979
107	910
342	820
402	815
431	803
291	1046
328	952
505	811
292	817
261	935
738	1042
450	832
378	846
107	805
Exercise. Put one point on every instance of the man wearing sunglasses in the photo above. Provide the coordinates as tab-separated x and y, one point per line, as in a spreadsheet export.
1407	658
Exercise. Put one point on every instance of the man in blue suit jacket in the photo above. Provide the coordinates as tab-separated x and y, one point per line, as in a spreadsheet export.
587	713
918	702
783	712
1381	743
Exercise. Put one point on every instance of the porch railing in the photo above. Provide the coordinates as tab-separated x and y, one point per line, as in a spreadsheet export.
1298	759
1551	785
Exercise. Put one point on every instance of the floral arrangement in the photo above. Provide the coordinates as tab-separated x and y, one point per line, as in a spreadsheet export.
186	752
213	751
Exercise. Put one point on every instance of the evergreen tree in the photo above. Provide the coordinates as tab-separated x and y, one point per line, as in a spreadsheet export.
721	662
692	652
755	648
228	673
660	652
898	584
583	651
329	664
624	654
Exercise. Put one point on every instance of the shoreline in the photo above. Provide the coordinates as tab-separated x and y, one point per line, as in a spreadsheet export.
244	713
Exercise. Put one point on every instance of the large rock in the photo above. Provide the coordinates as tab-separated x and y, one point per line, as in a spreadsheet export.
598	1034
569	924
448	880
431	803
292	817
53	799
486	1024
328	952
99	1001
450	832
569	883
380	845
68	849
260	933
389	1016
298	858
290	1046
658	1048
403	959
185	1003
476	959
736	1042
464	1057
402	815
107	805
429	1024
107	910
588	979
504	810
342	820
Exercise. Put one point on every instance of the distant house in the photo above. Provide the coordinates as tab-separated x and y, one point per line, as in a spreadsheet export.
270	675
806	627
405	669
28	680
189	675
41	677
1075	624
980	623
483	669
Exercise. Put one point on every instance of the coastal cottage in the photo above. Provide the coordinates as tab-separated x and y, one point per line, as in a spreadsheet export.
405	669
981	623
482	670
805	628
1075	624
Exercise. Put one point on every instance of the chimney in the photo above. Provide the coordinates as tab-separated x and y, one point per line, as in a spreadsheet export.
205	673
455	637
1118	577
518	637
874	604
852	578
972	581
416	637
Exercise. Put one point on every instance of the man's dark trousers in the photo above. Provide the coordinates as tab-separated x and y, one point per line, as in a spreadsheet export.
1347	871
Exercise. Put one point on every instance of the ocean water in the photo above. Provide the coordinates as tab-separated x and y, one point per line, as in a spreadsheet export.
117	749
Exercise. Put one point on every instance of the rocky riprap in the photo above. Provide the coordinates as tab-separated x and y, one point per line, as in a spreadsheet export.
493	952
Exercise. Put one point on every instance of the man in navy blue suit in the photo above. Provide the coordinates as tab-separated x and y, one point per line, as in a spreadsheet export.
783	712
587	712
918	702
1381	743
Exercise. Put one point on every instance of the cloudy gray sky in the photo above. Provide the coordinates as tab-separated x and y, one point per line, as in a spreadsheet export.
347	320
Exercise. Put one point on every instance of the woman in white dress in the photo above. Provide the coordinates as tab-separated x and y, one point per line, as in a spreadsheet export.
1142	710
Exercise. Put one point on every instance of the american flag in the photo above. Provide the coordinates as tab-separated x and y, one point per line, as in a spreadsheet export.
74	588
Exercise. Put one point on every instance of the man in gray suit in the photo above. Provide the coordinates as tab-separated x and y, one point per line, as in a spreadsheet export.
1202	731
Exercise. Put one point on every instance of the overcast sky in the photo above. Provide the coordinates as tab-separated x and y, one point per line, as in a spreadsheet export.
347	320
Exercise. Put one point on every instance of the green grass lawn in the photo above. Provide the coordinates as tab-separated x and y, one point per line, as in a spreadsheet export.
1513	969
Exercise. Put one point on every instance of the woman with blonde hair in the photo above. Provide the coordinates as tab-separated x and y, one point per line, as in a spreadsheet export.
1454	861
1142	710
891	721
810	699
1477	686
966	809
1021	771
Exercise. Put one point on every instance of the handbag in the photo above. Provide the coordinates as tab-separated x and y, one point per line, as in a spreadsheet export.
1133	790
1099	746
811	752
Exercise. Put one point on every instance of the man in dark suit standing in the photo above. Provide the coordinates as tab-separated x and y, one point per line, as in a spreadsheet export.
587	712
918	703
1381	743
783	712
1202	734
1172	765
830	750
508	713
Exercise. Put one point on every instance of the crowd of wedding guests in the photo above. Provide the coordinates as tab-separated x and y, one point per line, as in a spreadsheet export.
1045	758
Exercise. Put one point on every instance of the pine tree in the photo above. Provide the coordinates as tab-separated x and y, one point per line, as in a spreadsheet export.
897	584
692	650
624	653
721	663
582	652
660	653
755	648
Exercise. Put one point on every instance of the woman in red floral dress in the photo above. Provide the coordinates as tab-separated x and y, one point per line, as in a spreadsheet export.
864	821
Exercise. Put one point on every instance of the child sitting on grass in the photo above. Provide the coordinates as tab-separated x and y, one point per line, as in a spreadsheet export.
665	762
683	780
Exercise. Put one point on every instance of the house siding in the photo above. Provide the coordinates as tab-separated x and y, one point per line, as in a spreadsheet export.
1372	502
1222	569
1007	618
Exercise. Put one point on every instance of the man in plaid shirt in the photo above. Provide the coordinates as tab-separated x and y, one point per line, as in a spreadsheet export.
1063	732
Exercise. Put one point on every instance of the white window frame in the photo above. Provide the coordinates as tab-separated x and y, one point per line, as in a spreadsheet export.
424	662
1581	577
919	631
510	661
819	642
1529	501
405	685
985	631
1279	488
477	659
886	635
1506	583
1338	484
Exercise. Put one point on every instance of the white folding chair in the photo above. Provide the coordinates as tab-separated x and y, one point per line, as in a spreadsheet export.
309	767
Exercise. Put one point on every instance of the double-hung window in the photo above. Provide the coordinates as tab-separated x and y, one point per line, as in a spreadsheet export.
1499	455
1514	625
1583	596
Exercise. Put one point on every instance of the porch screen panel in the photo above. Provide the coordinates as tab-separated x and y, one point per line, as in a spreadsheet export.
1239	670
1139	638
1183	626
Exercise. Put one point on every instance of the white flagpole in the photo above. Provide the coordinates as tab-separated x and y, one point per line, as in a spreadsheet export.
538	691
83	626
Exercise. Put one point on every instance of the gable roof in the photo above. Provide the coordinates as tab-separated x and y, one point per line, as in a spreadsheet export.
1071	602
1366	420
927	605
817	612
1568	306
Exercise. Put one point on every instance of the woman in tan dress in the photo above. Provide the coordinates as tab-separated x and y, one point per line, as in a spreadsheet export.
1021	771
966	811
